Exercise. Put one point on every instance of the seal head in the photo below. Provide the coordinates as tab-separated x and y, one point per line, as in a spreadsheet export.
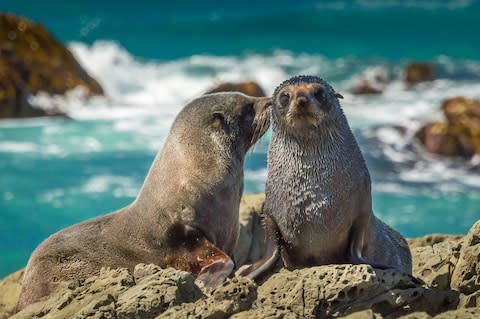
304	103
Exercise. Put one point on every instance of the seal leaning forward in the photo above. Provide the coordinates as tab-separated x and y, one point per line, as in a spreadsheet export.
318	207
186	214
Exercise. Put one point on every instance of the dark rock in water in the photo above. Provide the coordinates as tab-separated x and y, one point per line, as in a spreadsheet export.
446	139
249	88
371	81
417	72
460	135
364	88
33	61
462	110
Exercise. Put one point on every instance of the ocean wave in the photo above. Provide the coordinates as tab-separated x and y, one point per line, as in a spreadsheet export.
119	186
149	88
143	97
418	4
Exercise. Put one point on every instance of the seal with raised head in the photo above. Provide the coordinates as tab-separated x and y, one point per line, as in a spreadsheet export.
318	207
186	213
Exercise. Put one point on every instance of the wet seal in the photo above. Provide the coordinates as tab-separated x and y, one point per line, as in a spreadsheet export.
318	207
186	213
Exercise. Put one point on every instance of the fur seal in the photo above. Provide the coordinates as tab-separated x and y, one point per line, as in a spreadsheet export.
318	207
186	213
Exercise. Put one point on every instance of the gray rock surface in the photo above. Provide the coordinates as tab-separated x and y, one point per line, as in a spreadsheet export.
251	239
118	294
335	290
431	239
447	287
9	292
435	264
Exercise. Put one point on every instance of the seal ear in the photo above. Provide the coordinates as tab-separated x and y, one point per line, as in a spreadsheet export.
338	95
219	122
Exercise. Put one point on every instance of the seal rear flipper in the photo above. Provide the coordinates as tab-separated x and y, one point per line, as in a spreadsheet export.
214	273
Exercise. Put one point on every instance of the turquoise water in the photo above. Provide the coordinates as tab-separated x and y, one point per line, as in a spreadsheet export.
152	58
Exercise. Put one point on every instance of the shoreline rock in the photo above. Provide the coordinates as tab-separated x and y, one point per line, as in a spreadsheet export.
459	135
33	61
417	72
249	88
445	285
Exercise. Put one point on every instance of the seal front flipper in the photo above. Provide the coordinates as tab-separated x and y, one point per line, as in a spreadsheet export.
192	251
216	271
271	255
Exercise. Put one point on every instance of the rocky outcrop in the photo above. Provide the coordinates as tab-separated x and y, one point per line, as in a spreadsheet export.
459	135
376	80
249	88
435	264
431	239
417	72
251	239
445	284
146	293
371	81
33	61
9	291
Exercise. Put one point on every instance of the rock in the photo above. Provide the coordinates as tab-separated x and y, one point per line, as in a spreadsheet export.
441	263
249	88
364	87
459	109
466	276
435	264
365	314
82	298
416	315
231	297
266	313
118	294
460	135
324	291
335	290
250	245
371	81
469	313
33	61
447	139
431	239
9	292
417	72
155	291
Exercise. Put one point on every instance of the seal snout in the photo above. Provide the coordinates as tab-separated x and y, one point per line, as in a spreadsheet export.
302	102
303	108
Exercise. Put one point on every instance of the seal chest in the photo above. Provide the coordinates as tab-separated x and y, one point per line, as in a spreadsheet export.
318	199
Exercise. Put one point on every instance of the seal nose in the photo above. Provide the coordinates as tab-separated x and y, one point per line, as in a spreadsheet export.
302	101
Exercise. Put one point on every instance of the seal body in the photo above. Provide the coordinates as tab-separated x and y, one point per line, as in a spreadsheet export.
186	214
318	207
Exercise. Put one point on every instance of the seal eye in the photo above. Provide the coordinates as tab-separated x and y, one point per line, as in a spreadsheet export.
320	96
284	99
